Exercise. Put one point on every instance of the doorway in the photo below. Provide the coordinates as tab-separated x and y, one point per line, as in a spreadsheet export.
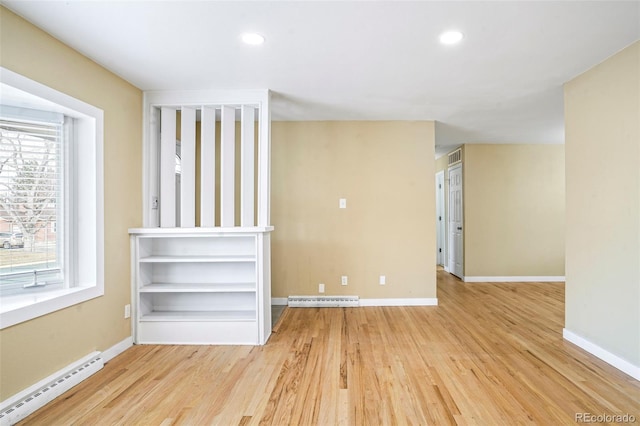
440	220
455	219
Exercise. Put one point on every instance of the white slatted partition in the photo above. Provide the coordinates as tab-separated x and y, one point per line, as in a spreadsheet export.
264	168
207	169
232	174
227	166
167	168
247	166
151	166
188	175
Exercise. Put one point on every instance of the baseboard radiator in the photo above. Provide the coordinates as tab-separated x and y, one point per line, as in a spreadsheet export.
323	301
17	411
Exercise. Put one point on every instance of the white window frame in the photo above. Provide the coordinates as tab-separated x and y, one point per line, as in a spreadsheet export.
85	225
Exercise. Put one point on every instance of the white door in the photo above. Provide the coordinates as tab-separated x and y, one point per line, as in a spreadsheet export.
440	219
456	263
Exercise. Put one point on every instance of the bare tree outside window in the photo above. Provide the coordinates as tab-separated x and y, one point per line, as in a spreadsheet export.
29	177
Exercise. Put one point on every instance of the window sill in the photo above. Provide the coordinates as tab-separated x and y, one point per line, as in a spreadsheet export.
19	308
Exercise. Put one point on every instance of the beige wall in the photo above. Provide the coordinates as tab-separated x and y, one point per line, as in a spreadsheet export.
602	125
513	201
35	349
385	170
513	210
442	163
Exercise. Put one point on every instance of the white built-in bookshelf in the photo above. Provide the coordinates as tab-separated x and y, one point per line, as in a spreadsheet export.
203	278
206	286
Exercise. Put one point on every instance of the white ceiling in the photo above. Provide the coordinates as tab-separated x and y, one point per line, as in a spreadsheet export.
360	60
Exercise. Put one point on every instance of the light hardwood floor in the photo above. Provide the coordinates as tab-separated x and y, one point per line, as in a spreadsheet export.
489	354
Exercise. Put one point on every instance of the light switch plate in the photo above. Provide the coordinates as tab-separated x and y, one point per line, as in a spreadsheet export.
343	203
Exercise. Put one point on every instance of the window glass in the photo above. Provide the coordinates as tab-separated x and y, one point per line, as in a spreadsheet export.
31	202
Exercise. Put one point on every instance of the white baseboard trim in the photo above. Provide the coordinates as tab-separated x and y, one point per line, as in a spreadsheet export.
400	302
96	359
16	408
31	389
279	301
515	279
115	350
595	350
446	268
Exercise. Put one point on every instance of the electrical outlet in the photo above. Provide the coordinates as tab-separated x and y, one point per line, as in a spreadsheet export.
345	280
127	311
383	280
320	288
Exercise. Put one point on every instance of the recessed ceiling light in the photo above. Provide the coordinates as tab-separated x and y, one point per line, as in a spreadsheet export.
253	39
451	37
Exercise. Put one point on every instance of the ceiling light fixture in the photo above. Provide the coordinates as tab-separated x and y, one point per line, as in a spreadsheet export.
253	39
451	37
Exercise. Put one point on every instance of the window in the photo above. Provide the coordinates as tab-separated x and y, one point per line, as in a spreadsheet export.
51	247
31	199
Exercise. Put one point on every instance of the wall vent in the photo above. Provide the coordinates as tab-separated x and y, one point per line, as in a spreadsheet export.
455	156
323	301
24	407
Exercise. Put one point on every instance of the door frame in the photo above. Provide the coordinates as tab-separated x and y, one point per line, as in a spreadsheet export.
441	221
451	267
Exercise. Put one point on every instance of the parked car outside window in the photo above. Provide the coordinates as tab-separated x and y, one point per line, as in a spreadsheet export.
11	239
